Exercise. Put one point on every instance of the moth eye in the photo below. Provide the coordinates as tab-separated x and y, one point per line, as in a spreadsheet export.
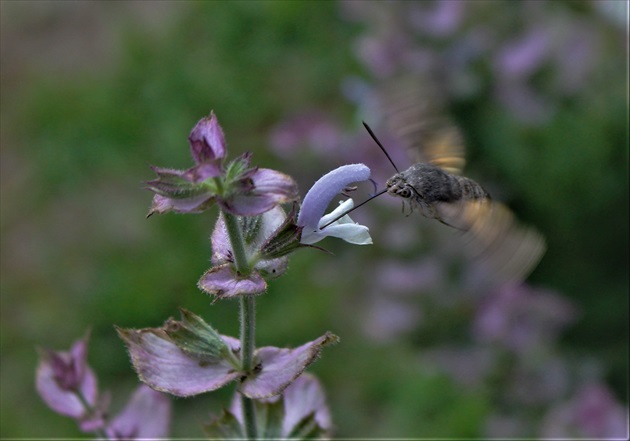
405	193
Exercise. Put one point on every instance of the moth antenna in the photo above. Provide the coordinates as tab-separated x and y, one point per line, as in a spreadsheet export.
355	207
380	145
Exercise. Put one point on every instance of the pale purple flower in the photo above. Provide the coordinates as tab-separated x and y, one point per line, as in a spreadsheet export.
383	55
314	130
66	383
147	415
539	383
235	187
522	318
440	19
522	57
573	71
469	366
388	318
311	217
502	426
593	413
524	101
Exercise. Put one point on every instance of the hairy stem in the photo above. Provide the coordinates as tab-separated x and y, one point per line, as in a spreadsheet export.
247	315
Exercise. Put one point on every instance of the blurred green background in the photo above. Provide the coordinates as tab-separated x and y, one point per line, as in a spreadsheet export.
93	92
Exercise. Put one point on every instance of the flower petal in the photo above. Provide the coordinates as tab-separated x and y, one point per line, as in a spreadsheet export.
65	402
146	415
166	368
344	228
325	189
270	188
222	281
279	367
207	142
351	232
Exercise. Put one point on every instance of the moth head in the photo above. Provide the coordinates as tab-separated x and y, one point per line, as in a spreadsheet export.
397	185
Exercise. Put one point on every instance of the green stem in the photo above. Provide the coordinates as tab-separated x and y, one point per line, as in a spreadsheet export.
90	410
248	332
247	315
238	244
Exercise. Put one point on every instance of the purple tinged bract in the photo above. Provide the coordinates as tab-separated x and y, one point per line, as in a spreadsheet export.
222	280
301	399
146	415
269	188
279	367
164	364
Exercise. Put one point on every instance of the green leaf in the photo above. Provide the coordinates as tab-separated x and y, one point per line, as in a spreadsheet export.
284	240
224	427
196	338
250	225
270	417
307	428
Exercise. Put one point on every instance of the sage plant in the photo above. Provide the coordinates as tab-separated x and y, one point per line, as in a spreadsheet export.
251	242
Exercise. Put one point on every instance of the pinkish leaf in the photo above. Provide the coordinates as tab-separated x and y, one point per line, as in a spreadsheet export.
165	367
280	367
270	188
146	415
203	171
223	281
197	204
303	397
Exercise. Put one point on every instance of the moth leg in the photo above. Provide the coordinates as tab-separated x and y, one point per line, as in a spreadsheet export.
449	225
410	209
436	215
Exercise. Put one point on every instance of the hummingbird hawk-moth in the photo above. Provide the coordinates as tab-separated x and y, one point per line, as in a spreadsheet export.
433	185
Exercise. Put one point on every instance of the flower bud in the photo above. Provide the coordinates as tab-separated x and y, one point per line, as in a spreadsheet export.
68	385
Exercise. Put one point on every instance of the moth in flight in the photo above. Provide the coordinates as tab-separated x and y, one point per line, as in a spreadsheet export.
433	185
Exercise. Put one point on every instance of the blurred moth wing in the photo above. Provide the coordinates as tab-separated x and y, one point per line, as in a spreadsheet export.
414	111
416	114
494	239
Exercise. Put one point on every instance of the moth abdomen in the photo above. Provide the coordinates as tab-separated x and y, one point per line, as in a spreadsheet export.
470	190
431	184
